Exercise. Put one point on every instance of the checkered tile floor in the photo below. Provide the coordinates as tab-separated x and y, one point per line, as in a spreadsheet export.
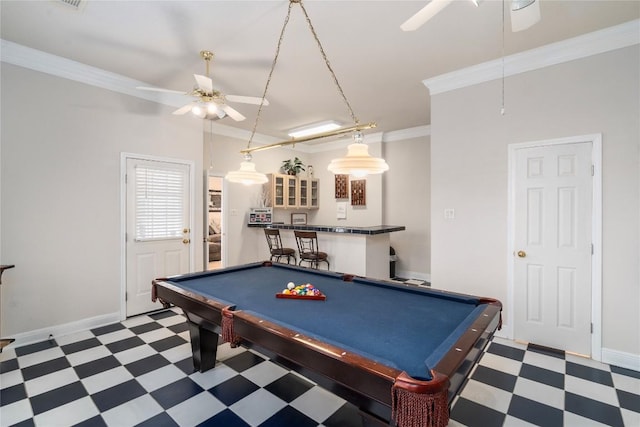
139	372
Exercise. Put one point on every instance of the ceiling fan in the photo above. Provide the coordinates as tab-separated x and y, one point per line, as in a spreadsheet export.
210	102
524	13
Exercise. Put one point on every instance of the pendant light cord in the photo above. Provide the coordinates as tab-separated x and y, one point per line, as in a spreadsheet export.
326	61
273	66
275	60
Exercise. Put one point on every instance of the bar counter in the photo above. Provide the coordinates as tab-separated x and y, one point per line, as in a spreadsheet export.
363	251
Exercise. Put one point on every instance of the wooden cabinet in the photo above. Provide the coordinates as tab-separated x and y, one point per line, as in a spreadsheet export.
308	195
292	192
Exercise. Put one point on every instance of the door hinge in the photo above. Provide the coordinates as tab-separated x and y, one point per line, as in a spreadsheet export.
592	249
592	328
126	296
126	178
126	237
593	170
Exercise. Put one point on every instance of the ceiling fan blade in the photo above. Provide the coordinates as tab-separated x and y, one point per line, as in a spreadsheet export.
424	14
158	89
246	99
235	115
204	83
220	113
183	110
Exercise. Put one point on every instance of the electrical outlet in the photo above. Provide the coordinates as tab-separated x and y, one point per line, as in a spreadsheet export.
449	213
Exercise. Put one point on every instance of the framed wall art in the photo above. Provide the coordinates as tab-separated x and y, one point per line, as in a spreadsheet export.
342	186
359	192
298	218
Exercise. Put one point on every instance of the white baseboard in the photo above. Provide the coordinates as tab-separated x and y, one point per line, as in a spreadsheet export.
43	334
621	359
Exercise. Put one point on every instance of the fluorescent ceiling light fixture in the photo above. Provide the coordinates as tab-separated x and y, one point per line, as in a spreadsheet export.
314	129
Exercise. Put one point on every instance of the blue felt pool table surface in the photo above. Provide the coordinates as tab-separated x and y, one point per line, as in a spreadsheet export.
405	327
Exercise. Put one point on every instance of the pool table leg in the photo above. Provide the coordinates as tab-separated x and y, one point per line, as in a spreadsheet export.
204	345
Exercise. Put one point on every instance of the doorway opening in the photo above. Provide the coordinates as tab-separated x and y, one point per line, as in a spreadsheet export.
213	245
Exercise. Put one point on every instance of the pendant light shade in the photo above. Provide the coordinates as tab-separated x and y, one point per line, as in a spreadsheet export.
247	173
358	161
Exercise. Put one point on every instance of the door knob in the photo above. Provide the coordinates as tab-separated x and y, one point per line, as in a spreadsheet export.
522	254
186	241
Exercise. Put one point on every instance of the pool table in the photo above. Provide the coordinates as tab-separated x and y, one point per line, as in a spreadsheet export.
399	352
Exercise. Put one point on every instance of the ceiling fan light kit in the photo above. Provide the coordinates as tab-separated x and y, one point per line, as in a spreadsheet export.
211	103
363	167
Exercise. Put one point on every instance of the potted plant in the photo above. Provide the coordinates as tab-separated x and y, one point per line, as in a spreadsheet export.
292	167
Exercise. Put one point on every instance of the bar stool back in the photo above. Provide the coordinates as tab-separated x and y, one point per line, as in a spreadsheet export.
275	246
308	249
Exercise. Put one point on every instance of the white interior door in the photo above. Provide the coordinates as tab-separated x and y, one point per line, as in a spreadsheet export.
158	235
553	246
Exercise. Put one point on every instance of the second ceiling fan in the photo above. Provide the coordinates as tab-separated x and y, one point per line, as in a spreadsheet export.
524	13
209	101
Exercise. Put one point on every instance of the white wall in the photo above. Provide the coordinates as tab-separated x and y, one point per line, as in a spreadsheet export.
407	188
61	146
469	137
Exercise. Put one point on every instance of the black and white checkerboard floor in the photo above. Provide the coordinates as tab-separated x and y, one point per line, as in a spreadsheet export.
139	372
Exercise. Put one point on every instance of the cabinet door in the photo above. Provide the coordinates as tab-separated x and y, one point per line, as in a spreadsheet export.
314	201
291	184
303	195
278	191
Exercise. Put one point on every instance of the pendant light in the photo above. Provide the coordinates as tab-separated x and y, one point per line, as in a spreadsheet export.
247	173
358	162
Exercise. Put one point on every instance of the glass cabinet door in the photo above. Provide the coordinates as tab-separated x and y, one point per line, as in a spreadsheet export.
303	199
313	197
278	191
291	183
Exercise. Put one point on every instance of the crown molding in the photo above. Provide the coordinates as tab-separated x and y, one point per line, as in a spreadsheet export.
404	134
608	39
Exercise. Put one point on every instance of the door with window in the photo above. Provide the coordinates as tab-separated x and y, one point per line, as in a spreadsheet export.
553	246
158	234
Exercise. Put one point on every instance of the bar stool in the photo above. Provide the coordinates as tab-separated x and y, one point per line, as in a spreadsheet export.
275	246
308	249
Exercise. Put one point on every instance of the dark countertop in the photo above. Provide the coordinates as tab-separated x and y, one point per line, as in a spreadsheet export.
376	229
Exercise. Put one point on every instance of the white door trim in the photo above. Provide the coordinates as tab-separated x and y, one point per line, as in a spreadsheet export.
123	217
596	233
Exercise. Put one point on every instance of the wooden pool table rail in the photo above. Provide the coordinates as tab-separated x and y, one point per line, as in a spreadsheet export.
357	373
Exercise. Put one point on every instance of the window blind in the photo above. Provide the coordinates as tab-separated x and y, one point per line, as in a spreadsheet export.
159	203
